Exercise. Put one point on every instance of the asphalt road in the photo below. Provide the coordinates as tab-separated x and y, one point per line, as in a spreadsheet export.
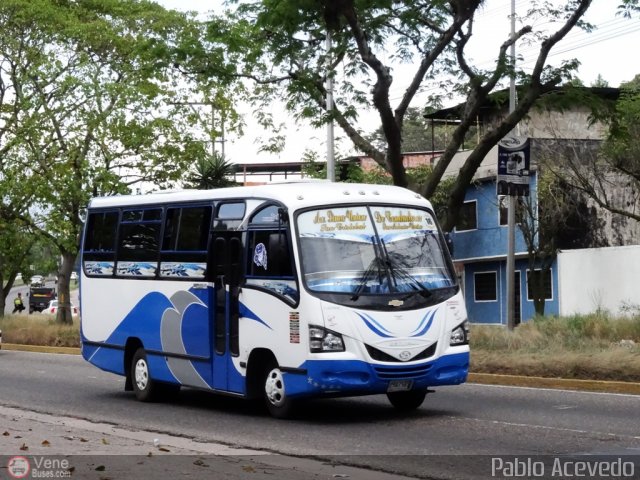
467	422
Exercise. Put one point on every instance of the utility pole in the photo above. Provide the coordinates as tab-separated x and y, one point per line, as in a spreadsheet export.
511	212
331	161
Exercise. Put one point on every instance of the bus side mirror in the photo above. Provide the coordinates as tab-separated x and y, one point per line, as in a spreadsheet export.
283	215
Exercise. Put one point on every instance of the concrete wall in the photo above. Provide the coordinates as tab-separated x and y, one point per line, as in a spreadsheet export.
599	278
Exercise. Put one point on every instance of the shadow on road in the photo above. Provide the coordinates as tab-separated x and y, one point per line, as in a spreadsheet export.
342	411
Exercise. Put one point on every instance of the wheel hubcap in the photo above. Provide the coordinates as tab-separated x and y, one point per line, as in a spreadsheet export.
142	374
274	387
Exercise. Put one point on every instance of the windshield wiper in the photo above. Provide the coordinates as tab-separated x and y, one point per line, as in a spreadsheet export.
373	265
402	273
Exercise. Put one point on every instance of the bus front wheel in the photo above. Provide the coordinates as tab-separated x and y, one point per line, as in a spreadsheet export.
407	401
275	395
144	387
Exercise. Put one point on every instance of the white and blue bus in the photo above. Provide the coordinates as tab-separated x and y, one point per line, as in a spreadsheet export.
282	291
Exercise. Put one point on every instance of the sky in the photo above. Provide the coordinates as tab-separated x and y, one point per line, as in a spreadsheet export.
607	51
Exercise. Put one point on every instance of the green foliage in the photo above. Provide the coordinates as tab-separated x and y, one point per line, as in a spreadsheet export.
210	172
623	144
91	105
616	166
353	173
421	135
280	47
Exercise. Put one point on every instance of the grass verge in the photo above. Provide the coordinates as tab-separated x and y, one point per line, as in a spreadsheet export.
39	329
585	347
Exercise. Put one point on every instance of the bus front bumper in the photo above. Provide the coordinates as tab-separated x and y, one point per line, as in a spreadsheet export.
354	377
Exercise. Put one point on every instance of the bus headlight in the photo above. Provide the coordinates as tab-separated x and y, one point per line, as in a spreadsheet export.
323	340
460	334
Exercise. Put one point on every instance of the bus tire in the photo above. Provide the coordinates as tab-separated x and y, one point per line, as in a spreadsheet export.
145	389
275	396
407	401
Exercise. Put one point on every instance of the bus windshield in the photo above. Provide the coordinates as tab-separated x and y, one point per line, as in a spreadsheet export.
372	250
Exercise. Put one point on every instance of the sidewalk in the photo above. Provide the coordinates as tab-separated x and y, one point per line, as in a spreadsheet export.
61	447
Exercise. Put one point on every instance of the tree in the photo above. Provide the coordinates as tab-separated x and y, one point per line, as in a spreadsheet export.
421	135
210	172
279	45
353	173
13	257
610	175
554	217
90	106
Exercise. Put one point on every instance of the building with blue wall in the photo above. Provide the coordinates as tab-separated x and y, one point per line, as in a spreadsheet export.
480	236
479	251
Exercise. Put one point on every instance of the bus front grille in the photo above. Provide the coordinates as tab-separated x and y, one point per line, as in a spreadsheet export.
381	356
405	371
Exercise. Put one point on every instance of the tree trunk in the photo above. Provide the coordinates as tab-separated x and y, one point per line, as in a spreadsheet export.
5	290
3	298
64	301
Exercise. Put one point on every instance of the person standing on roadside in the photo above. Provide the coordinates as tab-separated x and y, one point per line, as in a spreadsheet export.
18	305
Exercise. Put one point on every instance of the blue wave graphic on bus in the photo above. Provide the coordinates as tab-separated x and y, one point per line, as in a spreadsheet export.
247	313
422	328
377	328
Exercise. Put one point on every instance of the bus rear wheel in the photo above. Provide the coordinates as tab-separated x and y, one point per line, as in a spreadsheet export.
407	401
275	395
145	388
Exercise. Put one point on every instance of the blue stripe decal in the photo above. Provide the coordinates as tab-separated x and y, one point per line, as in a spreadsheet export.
370	323
418	332
246	313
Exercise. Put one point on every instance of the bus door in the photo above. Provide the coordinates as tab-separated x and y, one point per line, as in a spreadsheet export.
225	254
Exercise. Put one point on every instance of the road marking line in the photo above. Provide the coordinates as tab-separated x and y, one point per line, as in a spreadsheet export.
630	395
546	427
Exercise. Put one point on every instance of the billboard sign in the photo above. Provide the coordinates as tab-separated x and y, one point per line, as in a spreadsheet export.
513	166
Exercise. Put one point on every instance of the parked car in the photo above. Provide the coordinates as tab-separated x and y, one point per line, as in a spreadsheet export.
74	276
39	298
53	308
37	281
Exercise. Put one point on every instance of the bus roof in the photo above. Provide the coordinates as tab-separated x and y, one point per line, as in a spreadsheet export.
294	194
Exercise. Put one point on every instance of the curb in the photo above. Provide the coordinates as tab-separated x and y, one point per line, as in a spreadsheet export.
41	349
604	386
556	383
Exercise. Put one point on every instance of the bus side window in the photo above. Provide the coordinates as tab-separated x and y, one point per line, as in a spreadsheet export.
98	256
139	243
184	245
269	254
270	264
278	250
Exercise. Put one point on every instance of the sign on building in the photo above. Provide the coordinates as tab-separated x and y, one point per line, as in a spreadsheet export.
513	166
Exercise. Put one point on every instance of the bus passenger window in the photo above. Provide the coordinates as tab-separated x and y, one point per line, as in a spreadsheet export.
139	243
99	244
184	246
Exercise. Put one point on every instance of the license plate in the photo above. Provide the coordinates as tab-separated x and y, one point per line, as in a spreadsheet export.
400	385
